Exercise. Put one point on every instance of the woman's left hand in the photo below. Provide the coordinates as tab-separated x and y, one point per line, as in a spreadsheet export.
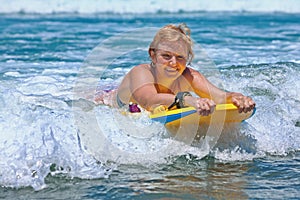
244	103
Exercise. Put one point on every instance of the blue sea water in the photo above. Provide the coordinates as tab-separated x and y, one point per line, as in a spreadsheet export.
53	57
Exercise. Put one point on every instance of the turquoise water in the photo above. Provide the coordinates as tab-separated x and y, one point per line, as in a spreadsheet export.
48	74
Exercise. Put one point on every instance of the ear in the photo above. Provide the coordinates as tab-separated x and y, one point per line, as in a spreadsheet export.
151	53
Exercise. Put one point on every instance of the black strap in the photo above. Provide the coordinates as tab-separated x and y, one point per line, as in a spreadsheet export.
179	100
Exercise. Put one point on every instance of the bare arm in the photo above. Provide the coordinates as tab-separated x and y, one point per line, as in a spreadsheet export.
143	90
205	89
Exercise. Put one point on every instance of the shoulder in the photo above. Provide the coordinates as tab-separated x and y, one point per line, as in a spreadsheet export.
191	73
141	69
141	73
191	70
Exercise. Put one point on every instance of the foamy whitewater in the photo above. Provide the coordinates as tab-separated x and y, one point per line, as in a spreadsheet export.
55	142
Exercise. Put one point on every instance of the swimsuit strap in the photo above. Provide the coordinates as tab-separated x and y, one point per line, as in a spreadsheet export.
119	102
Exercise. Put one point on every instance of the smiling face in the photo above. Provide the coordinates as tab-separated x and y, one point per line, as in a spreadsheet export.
170	59
170	51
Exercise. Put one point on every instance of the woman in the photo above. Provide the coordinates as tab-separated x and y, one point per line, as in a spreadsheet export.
168	81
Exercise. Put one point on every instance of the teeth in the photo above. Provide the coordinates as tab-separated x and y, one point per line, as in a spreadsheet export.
171	69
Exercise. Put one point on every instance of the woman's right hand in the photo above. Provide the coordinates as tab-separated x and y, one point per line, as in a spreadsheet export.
203	106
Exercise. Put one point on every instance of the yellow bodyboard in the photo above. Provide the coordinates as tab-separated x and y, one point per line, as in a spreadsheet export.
224	113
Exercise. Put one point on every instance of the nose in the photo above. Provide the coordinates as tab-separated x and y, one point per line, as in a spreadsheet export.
173	60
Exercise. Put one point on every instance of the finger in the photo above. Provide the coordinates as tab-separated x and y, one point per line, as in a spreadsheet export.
201	104
201	111
212	106
206	107
241	108
250	104
236	102
207	111
204	113
246	106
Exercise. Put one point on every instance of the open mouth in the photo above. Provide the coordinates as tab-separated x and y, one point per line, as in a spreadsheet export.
172	69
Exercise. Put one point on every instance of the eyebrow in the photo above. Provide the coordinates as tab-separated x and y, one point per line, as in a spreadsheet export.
170	52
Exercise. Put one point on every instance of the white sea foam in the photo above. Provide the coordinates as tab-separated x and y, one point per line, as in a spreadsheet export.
143	6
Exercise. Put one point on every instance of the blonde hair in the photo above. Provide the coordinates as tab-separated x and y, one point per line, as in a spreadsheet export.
174	33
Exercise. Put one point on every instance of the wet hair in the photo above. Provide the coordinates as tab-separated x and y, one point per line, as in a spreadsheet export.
173	33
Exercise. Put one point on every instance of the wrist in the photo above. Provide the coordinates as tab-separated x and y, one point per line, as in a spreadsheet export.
231	95
188	100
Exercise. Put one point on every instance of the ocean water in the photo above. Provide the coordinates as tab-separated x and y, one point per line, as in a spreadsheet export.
55	143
